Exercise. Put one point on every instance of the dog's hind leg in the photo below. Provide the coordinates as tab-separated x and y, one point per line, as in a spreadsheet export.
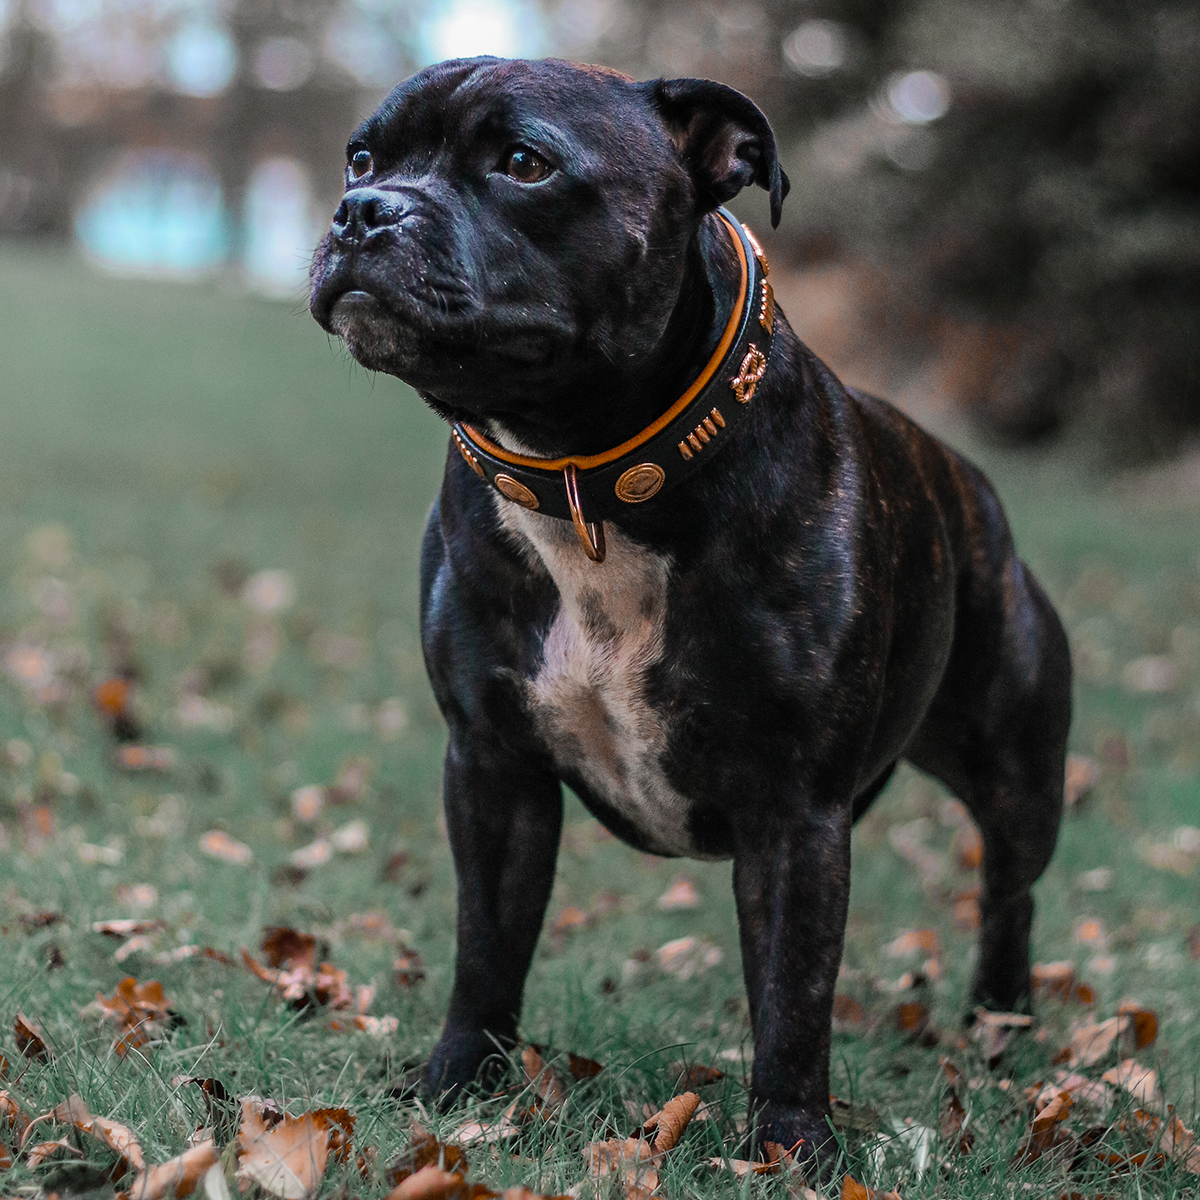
996	736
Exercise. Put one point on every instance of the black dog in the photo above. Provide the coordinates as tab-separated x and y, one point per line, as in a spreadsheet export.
675	563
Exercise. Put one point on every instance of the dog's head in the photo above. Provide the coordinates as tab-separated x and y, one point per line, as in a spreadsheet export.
512	231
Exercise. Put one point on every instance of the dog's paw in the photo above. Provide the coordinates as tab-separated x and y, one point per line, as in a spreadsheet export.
802	1133
461	1056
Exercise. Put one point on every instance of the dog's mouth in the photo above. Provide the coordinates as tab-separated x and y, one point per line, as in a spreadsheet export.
410	344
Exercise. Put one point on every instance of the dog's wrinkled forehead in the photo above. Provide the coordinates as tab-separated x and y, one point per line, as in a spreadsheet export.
596	123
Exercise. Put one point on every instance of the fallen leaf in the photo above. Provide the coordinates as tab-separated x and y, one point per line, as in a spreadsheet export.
1140	1082
694	1075
965	910
315	854
352	838
30	1040
139	1011
681	894
1141	1022
124	927
431	1183
13	1116
853	1190
287	1158
307	802
179	1176
216	843
1056	979
1091	932
571	917
487	1133
220	1107
916	941
912	1018
1081	776
968	848
136	757
409	968
425	1150
954	1124
288	948
37	1154
687	956
548	1086
673	1120
114	1135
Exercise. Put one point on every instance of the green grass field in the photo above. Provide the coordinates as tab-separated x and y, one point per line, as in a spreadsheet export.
162	443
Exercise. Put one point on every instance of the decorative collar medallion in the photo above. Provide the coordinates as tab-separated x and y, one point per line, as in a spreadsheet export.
587	488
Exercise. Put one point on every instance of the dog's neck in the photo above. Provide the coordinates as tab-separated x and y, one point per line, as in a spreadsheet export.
623	399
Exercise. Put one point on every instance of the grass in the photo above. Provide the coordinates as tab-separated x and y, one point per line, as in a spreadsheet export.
162	442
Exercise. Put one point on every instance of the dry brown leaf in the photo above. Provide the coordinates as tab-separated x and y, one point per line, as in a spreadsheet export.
694	1075
134	757
125	927
496	1131
430	1183
423	1151
968	848
965	910
286	1158
912	1018
301	985
953	1124
1055	979
409	968
1081	776
616	1154
853	1190
681	894
916	941
549	1087
685	957
1141	1023
1093	1041
138	1009
1091	932
571	917
37	1154
847	1013
673	1120
857	1117
179	1176
216	843
30	1040
288	948
1140	1082
114	1135
13	1116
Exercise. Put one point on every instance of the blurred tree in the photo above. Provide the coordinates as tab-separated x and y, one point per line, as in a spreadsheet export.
1031	166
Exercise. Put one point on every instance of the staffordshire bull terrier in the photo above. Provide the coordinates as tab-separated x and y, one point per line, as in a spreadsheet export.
674	563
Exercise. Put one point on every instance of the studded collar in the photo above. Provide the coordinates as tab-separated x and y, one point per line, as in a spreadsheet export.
587	489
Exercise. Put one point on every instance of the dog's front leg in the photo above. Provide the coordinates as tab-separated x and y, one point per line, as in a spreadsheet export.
791	877
504	818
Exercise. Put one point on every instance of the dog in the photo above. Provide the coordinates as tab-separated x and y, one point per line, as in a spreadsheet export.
674	563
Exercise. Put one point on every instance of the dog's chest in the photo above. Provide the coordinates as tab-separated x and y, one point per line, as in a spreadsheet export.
588	694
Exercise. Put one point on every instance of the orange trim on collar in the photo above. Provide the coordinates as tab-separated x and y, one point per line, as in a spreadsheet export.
584	461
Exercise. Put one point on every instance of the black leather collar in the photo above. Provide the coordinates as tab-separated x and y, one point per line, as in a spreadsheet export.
587	489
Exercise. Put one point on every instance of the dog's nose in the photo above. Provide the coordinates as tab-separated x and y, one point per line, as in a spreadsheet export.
364	211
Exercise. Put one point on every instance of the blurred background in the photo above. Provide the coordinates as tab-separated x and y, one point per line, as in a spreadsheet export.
994	206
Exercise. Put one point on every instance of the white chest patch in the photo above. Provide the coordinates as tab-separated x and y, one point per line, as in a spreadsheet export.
588	696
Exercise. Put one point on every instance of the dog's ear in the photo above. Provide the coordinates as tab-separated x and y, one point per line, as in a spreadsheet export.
722	138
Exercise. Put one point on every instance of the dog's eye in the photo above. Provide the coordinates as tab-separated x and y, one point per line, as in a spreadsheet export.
526	166
360	163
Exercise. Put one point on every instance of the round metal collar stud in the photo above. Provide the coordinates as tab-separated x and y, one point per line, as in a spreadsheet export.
640	483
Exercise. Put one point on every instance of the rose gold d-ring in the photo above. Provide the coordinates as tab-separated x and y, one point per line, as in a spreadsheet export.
591	533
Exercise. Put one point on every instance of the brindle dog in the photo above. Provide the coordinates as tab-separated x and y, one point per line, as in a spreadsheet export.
826	589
